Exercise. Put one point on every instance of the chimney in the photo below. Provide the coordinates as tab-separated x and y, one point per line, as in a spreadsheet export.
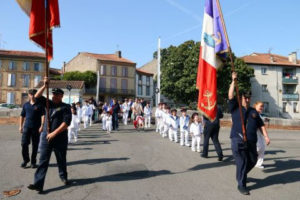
63	68
118	54
293	57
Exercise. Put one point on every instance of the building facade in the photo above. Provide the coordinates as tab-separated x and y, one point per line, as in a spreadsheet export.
276	83
144	86
19	71
116	75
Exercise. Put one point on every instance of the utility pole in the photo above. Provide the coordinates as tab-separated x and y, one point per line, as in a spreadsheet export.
157	91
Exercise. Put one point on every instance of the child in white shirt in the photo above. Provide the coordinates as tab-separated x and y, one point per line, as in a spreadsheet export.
147	115
158	117
79	114
196	131
73	128
85	115
165	119
108	119
173	125
184	128
103	117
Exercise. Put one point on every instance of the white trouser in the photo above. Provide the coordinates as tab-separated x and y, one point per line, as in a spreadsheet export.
108	126
157	121
125	118
90	120
165	130
260	145
173	134
161	126
147	121
104	125
72	133
184	138
196	140
85	121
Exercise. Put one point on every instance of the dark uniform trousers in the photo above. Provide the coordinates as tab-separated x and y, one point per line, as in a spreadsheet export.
60	150
115	122
33	134
212	131
245	158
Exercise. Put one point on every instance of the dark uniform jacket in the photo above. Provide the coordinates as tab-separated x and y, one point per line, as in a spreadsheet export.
32	114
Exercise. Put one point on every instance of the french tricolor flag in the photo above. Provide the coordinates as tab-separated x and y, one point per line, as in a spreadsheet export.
213	45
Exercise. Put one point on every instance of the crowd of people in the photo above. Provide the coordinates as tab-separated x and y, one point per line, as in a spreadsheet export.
247	145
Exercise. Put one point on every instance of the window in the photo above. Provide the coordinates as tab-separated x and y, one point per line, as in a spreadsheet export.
102	82
147	90
26	66
26	79
264	88
263	70
114	70
113	83
37	67
266	107
11	80
140	91
12	65
124	85
37	79
10	98
284	109
295	105
0	64
147	80
140	79
0	80
103	70
124	71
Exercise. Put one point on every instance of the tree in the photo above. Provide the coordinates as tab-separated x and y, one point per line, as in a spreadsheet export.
179	71
89	77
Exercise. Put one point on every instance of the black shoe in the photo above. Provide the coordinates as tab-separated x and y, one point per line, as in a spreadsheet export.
204	156
220	158
33	187
33	166
23	165
65	181
243	190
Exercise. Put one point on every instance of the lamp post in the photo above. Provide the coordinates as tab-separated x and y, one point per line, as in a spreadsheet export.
69	87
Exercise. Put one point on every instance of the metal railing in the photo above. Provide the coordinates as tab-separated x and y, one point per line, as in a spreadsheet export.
290	97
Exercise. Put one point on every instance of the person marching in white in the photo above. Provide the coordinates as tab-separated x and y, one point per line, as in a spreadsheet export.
260	145
196	131
165	119
162	114
91	107
173	125
79	114
125	109
103	117
147	115
108	119
73	128
158	117
85	115
184	128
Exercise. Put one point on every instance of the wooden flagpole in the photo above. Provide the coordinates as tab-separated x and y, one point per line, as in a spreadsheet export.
233	70
47	66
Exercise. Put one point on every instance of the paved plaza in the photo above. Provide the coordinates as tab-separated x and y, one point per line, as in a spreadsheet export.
142	165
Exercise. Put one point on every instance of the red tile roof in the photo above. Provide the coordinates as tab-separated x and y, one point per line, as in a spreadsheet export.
54	71
108	57
268	59
21	53
63	84
143	72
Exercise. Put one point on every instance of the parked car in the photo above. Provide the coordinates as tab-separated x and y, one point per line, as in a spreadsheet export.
8	105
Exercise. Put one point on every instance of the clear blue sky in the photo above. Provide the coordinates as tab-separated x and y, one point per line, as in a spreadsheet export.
133	26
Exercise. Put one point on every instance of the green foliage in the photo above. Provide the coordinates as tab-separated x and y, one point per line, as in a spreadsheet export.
89	77
179	72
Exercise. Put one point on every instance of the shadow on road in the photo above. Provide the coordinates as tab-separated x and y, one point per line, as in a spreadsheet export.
227	161
135	175
95	142
90	161
72	149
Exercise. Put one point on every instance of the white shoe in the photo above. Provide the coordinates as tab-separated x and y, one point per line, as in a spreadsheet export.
194	150
259	166
198	150
181	144
188	145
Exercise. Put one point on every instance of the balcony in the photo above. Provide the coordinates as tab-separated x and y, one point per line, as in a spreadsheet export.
289	80
290	97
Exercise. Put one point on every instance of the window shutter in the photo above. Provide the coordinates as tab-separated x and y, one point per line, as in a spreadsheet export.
9	80
13	80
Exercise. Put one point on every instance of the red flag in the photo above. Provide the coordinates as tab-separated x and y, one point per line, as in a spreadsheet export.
36	11
213	42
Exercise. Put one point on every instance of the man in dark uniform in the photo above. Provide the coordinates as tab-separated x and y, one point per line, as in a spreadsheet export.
115	112
211	130
33	114
245	153
56	140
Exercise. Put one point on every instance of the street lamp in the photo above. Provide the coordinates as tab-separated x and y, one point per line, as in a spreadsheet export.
69	87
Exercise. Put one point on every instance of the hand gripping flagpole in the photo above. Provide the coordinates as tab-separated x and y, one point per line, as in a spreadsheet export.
233	70
47	66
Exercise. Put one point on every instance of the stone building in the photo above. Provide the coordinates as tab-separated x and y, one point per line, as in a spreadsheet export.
276	83
19	71
116	75
144	86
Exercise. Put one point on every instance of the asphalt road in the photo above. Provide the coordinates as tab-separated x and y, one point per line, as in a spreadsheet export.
142	165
